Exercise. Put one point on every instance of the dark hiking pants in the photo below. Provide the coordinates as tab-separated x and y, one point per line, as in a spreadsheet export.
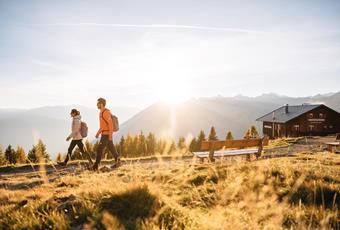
105	142
80	144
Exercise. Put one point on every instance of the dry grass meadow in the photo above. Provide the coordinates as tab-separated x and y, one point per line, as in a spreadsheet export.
299	191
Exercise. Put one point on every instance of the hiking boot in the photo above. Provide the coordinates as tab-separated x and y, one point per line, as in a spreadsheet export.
116	164
95	167
61	163
88	166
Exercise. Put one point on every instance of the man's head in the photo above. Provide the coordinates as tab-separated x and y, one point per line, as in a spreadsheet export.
101	103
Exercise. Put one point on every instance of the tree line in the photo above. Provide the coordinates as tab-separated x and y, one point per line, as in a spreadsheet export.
37	154
140	145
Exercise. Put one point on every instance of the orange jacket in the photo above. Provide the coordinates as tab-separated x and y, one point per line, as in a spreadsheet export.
105	123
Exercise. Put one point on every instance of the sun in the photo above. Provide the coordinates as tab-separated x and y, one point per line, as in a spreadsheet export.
173	92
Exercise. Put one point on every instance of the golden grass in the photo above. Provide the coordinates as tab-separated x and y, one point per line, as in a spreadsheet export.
283	142
300	192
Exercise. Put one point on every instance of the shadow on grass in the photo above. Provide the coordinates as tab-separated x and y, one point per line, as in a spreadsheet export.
21	186
131	207
319	195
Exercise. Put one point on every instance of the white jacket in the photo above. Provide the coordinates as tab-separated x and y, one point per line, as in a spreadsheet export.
76	124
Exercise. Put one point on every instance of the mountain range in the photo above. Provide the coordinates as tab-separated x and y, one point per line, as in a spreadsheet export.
235	114
50	123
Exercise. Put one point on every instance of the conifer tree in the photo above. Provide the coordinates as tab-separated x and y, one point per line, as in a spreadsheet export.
201	137
247	135
193	145
181	143
151	143
10	155
172	146
20	155
121	148
212	135
229	136
38	153
3	160
253	132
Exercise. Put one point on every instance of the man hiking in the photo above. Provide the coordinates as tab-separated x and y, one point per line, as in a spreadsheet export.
106	127
77	138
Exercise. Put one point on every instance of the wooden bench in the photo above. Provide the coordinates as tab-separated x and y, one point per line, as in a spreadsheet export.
231	148
332	145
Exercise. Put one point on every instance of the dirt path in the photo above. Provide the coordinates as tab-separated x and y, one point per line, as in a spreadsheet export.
310	145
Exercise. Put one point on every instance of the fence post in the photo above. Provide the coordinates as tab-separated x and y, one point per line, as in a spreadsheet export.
212	151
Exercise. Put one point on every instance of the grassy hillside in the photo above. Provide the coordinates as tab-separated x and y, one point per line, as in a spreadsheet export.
297	192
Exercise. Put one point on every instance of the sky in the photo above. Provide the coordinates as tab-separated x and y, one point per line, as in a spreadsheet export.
135	53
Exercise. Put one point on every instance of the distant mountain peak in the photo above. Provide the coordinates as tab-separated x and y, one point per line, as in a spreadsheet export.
271	95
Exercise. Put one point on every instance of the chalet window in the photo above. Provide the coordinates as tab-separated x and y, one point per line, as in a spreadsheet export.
321	115
296	127
310	115
331	126
325	126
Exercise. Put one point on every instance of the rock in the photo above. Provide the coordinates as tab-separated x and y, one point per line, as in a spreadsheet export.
105	169
22	203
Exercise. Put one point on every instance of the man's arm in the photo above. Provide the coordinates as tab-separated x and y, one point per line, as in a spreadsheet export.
99	132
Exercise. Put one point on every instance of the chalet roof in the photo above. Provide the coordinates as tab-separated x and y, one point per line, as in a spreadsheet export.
280	115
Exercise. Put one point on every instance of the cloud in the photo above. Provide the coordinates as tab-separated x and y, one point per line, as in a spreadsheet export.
153	26
46	64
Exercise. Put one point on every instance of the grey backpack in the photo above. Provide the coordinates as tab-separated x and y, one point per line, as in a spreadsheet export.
83	129
115	122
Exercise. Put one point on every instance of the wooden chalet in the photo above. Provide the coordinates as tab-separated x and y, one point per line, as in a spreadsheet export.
301	120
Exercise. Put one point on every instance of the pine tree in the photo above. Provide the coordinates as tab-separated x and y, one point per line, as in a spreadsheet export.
10	155
95	148
134	146
3	160
161	145
212	135
89	147
141	145
121	148
128	145
229	136
32	156
151	143
253	132
247	135
181	143
20	155
172	146
200	139
193	145
38	153
41	148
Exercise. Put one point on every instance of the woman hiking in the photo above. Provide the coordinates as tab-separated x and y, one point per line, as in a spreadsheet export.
77	138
